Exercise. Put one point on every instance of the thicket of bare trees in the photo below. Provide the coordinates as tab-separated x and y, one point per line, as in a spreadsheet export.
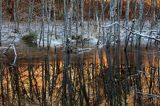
121	69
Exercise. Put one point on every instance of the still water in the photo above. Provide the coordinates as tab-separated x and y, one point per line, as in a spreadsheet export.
106	76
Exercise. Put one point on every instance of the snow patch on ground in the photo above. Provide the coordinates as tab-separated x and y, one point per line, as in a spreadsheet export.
57	34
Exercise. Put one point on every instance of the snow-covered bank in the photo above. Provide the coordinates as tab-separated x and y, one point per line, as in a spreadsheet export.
88	34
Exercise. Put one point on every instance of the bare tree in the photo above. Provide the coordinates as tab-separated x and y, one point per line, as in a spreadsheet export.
0	22
82	17
42	22
16	16
30	15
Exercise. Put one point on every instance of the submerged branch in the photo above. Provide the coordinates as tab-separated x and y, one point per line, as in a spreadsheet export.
15	53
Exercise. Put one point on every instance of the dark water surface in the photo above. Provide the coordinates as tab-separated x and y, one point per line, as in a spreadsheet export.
104	76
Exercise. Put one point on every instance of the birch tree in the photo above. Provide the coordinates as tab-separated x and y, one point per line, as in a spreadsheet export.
153	4
54	10
141	7
88	18
49	7
42	22
16	17
30	11
82	18
102	8
126	23
70	16
96	13
121	7
54	16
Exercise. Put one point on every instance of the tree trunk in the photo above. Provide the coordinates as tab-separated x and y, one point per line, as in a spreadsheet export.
0	22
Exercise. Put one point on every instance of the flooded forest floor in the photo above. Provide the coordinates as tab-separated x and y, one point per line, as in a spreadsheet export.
79	52
81	74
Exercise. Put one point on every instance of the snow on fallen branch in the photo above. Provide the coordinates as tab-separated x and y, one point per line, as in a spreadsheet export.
134	33
10	37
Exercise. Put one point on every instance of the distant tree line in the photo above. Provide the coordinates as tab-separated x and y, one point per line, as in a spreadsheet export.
90	8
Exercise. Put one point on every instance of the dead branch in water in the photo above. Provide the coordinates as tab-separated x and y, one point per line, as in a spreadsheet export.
15	52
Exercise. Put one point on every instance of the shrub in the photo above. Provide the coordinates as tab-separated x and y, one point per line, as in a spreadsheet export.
30	39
